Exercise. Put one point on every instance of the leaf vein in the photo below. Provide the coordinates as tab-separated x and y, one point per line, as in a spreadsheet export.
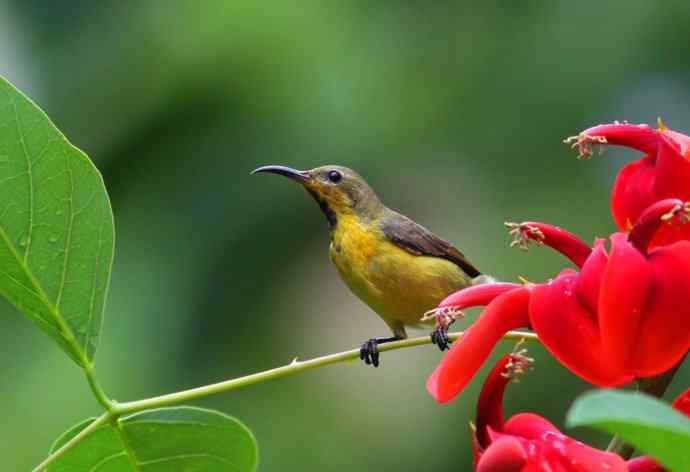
134	462
68	239
29	170
94	283
105	460
187	456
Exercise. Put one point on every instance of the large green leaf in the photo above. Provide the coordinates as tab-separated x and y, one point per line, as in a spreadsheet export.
647	423
56	227
180	439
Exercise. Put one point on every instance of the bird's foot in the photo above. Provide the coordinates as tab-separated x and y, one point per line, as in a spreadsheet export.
439	336
445	317
369	352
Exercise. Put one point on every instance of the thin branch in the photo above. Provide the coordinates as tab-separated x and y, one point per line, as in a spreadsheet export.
115	410
294	367
97	390
620	447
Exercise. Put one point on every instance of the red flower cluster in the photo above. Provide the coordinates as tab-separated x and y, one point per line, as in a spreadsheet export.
530	443
664	172
527	442
622	316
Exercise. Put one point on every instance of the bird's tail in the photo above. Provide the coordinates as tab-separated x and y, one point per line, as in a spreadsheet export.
483	279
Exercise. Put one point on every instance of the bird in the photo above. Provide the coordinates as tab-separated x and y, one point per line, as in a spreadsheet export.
396	266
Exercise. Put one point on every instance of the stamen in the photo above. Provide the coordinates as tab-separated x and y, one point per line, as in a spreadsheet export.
473	429
584	143
517	363
557	238
524	234
523	280
682	212
445	316
660	125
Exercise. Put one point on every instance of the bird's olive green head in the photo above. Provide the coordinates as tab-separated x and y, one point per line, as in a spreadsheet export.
338	190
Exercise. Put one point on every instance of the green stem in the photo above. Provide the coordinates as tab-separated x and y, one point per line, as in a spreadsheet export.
101	420
620	447
97	390
115	410
294	367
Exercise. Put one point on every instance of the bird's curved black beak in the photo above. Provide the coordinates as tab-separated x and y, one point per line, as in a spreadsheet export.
294	174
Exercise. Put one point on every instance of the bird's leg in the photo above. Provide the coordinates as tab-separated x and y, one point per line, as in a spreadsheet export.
444	318
369	351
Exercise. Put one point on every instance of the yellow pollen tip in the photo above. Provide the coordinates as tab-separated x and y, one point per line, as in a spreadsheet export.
660	125
518	363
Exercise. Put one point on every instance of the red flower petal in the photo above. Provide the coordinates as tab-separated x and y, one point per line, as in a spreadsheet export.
467	354
641	137
652	220
681	140
574	456
554	451
669	234
507	454
672	178
477	295
589	282
570	332
490	403
665	331
557	238
529	426
633	191
622	302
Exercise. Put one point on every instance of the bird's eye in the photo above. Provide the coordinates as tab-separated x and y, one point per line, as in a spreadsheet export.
335	176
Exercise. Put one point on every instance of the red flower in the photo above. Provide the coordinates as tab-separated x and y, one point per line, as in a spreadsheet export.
664	172
625	314
527	442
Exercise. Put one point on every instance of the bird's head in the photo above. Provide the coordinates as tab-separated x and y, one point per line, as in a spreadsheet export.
338	190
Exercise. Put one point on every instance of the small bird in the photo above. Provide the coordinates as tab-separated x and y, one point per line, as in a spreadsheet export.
397	267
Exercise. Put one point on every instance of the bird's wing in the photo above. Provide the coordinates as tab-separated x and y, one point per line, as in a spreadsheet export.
418	240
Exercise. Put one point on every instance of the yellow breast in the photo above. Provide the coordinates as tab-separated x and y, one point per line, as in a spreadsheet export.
398	285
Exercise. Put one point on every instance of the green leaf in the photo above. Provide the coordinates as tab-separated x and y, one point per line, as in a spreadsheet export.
56	227
180	439
645	422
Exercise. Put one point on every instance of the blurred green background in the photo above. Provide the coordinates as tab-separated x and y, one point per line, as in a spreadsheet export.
454	111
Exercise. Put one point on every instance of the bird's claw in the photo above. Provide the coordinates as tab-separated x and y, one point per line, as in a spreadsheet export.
445	316
369	352
439	336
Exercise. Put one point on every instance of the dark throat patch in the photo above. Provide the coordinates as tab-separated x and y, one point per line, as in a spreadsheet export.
330	214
